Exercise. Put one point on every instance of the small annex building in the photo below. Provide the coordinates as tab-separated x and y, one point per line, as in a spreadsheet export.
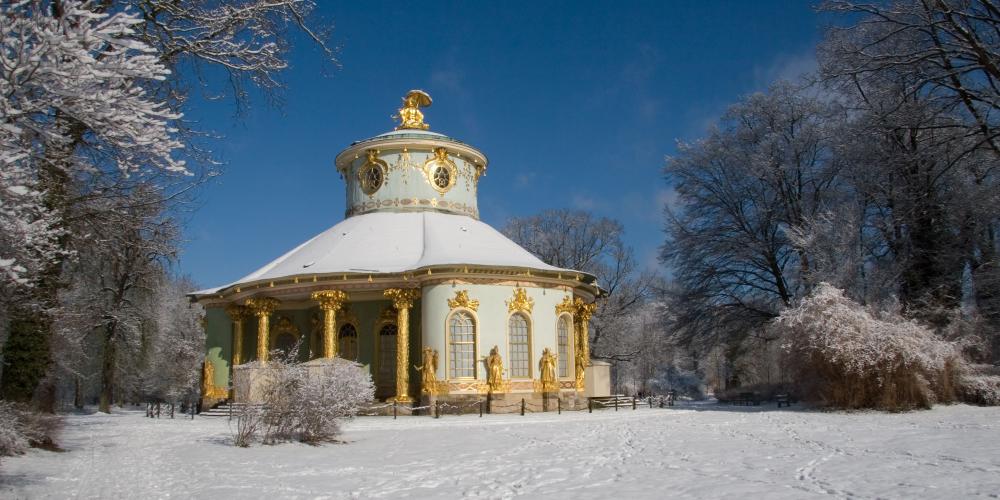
411	285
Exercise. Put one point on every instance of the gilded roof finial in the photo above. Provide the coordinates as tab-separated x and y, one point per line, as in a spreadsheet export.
409	115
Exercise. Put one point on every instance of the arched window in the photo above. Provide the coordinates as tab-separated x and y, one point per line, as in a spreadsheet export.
387	356
461	345
348	342
563	332
518	340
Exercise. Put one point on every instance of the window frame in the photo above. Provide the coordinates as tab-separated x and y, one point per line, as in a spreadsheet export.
530	344
357	343
449	374
568	357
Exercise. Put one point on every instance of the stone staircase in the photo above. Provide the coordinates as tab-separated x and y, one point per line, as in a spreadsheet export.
220	410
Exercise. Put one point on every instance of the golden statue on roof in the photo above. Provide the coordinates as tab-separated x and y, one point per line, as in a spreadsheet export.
409	115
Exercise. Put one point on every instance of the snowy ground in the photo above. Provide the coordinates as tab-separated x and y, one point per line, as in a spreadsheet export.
693	452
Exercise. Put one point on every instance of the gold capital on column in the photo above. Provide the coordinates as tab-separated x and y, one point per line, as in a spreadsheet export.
263	307
581	319
402	299
237	313
330	301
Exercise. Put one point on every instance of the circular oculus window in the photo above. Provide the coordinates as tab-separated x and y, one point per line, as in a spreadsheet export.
372	178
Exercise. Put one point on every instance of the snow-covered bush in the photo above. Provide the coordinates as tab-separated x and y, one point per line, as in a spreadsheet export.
301	401
329	393
687	383
980	389
841	355
980	384
22	428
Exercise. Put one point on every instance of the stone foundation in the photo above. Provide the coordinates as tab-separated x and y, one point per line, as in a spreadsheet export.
534	402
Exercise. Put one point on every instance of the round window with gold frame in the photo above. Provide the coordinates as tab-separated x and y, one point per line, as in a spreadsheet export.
371	175
441	172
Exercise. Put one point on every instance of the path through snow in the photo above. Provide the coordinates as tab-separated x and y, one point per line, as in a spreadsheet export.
692	452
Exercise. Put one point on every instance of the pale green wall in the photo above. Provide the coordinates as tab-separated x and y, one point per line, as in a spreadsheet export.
411	182
492	316
219	336
218	343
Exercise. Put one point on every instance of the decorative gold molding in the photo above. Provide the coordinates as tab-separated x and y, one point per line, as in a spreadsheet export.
521	301
402	298
330	299
262	306
440	171
581	320
462	300
366	206
566	306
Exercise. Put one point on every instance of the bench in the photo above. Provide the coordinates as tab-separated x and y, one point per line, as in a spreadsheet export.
783	400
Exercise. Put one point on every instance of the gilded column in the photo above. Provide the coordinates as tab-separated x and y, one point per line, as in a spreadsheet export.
582	321
330	301
402	300
237	313
263	307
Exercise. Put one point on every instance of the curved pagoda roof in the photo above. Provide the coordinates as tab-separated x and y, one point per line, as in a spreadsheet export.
405	237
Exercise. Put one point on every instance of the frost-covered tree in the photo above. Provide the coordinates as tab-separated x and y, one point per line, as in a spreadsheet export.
91	129
924	75
765	173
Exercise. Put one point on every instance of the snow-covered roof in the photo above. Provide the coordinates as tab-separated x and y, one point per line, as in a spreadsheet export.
394	242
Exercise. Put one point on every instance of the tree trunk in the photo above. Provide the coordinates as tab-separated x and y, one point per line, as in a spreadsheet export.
77	393
108	370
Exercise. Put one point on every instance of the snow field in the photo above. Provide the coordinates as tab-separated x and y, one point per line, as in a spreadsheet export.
683	452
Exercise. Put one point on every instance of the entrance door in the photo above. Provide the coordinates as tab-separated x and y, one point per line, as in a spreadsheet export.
385	385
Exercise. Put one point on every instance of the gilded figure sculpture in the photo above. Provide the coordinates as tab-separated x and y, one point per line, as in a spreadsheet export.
547	367
207	378
428	371
208	387
494	370
409	115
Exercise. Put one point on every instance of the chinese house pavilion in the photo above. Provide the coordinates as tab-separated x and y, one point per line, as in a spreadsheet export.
411	285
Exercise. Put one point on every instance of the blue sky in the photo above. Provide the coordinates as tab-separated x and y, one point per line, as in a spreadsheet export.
576	105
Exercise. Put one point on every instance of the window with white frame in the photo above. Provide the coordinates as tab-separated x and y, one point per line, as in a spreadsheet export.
563	332
461	345
518	340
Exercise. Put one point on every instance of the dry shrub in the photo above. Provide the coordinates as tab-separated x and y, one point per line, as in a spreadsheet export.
302	401
22	428
841	355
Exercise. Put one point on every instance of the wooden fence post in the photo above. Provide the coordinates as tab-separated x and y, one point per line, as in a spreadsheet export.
590	406
633	403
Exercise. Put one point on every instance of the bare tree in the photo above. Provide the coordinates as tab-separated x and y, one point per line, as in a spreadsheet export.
766	173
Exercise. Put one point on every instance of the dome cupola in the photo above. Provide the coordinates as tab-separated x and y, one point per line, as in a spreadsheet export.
411	168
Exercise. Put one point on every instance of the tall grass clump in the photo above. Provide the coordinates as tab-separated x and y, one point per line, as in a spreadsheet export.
841	355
